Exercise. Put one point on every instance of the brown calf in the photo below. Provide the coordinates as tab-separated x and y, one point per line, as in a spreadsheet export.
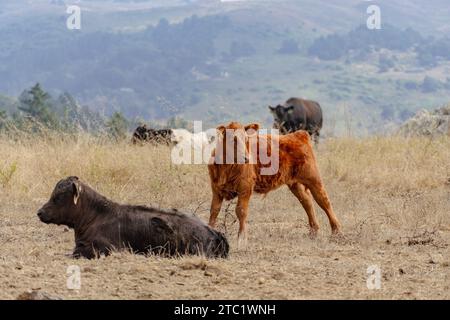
297	168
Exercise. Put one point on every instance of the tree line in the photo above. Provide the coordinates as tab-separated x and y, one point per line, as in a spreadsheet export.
362	41
36	111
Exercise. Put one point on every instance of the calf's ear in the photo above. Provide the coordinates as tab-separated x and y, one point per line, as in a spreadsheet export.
221	130
272	109
252	128
76	189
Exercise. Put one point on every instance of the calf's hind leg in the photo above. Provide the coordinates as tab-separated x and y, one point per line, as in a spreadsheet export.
320	195
305	198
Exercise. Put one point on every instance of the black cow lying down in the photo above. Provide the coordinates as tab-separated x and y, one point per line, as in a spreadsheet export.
101	225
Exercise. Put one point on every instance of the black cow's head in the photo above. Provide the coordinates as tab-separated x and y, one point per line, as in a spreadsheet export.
63	206
140	134
282	116
277	112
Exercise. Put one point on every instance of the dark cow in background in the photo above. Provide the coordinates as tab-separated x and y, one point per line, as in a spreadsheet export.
102	225
298	114
145	134
140	134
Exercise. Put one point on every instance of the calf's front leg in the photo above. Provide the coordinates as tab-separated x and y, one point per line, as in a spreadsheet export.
216	205
242	213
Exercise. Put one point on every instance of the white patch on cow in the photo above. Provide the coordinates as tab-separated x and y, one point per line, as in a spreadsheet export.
179	135
192	148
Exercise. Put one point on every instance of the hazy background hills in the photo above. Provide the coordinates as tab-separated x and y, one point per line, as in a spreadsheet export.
217	61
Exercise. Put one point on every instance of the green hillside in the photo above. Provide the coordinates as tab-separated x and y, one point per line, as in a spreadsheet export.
213	61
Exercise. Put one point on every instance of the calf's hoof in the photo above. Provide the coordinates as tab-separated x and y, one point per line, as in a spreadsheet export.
242	243
313	233
338	237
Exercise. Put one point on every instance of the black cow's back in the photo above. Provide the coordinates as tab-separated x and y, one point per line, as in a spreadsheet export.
303	115
144	134
149	230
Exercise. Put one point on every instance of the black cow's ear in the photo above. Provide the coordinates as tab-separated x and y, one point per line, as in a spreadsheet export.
76	190
272	108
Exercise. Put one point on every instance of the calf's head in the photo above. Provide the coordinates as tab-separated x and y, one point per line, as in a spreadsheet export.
233	143
63	206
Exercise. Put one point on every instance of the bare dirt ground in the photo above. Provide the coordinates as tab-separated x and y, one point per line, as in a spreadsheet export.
391	195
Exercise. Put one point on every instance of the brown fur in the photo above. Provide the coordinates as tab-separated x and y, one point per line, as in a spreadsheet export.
297	169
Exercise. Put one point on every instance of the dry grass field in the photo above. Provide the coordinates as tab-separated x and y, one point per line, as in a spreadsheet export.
392	196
